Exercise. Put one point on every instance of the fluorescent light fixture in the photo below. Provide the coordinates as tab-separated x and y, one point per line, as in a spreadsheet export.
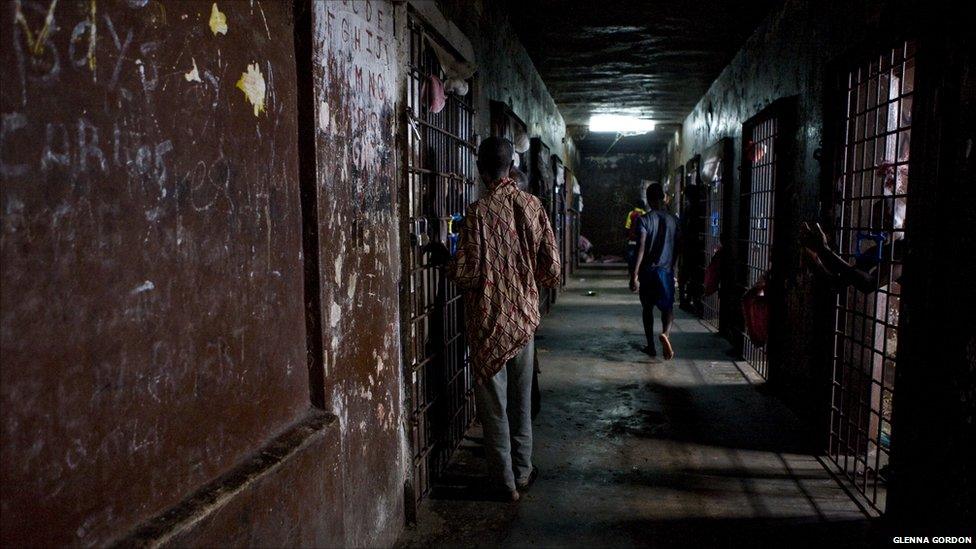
616	123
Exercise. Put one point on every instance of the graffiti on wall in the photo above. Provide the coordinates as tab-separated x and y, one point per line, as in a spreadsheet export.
355	106
150	242
355	79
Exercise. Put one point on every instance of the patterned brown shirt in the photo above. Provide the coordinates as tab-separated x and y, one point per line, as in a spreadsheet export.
506	250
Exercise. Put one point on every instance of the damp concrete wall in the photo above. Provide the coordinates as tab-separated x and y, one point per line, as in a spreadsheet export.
787	57
613	184
791	55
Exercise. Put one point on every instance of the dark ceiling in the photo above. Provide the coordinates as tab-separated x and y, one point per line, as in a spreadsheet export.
653	57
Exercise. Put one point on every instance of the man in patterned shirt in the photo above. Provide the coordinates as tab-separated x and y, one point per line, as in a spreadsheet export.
507	250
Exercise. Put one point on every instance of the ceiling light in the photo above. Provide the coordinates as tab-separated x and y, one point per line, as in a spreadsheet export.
616	123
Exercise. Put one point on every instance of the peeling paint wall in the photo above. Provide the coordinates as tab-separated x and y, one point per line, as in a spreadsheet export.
355	86
152	327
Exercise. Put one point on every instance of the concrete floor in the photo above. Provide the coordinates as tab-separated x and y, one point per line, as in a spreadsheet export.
636	451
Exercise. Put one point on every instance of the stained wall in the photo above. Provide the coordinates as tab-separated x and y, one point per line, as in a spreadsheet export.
355	82
507	74
152	326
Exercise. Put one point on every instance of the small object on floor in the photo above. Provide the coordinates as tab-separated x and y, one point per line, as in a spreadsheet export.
649	351
590	293
524	486
666	347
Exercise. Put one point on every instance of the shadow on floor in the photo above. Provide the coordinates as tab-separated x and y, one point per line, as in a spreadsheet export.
641	452
704	533
728	416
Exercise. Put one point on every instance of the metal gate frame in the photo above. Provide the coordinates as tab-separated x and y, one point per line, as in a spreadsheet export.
440	181
559	214
874	142
715	174
542	184
757	212
571	240
691	274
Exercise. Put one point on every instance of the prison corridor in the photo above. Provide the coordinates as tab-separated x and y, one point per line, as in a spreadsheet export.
638	451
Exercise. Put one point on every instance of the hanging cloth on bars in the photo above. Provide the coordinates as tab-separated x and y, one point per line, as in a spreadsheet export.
755	313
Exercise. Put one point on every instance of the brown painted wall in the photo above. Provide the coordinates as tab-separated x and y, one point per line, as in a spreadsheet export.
152	325
295	501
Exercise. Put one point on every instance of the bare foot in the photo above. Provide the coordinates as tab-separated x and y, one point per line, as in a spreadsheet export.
666	347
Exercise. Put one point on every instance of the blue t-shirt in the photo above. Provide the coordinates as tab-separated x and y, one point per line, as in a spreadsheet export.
659	246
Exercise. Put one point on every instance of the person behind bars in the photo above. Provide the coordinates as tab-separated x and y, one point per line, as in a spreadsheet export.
630	229
507	250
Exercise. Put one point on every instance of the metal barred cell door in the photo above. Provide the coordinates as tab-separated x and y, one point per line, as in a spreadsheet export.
871	175
440	183
714	174
541	184
712	239
694	251
559	213
757	212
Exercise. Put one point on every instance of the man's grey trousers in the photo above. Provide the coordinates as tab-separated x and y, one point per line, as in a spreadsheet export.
505	411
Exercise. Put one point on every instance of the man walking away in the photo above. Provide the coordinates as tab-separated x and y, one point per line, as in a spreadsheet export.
653	274
507	250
